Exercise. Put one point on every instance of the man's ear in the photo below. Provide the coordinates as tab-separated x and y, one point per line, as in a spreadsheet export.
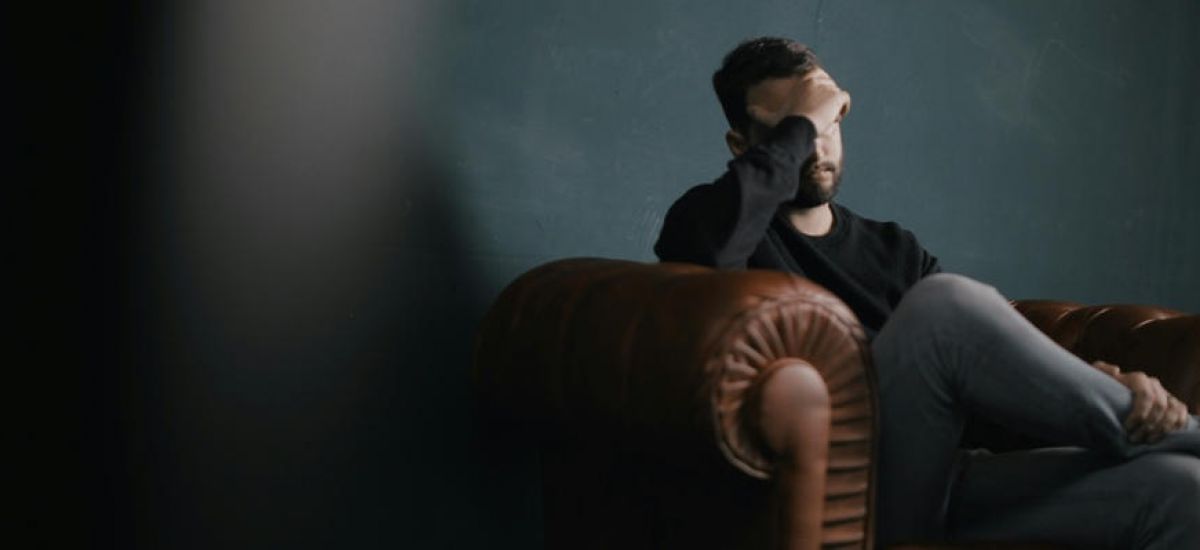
737	142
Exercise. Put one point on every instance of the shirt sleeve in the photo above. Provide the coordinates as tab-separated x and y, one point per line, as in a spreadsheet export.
921	263
929	263
721	223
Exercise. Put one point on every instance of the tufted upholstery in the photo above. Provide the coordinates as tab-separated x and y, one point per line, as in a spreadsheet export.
1160	342
672	359
677	406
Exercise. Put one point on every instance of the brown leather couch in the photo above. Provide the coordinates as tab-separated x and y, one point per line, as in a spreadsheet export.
680	407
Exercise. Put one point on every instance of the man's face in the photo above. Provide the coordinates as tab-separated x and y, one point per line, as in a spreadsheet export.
822	171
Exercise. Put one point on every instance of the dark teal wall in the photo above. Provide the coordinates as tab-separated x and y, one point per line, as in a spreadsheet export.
297	211
1046	147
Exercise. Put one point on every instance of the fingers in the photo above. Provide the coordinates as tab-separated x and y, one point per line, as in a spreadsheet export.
1154	427
1155	412
813	95
1142	402
816	78
1107	368
1144	397
1178	416
820	99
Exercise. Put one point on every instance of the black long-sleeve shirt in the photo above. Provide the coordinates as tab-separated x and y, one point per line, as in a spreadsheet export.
740	221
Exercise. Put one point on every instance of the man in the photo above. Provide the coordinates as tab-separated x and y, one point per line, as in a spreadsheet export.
946	349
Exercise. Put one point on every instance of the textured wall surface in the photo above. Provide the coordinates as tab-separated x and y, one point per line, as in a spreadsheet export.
1047	148
312	204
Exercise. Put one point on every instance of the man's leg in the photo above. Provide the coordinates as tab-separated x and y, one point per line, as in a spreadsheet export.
955	347
1078	497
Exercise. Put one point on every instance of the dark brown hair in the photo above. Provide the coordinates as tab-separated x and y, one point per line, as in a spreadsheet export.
751	62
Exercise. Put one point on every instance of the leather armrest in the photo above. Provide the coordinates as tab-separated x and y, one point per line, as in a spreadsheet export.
692	360
660	349
1158	341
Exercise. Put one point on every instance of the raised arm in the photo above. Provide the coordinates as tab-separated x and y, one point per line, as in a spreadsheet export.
721	223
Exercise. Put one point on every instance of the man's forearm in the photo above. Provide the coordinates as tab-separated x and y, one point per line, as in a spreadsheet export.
720	224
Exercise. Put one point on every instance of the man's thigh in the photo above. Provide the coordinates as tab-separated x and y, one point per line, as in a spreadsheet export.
1080	497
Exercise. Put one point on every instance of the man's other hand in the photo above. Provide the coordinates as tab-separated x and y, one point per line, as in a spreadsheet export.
1155	411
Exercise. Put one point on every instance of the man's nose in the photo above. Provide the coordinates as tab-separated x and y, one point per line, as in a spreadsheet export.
821	147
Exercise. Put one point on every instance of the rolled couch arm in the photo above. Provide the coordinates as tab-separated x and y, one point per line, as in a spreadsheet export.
1160	342
687	359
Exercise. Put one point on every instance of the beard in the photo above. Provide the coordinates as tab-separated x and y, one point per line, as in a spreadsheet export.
813	192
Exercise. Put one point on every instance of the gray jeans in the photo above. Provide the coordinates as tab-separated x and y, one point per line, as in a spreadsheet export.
955	349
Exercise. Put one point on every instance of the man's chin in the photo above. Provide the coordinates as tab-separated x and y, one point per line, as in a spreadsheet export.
816	191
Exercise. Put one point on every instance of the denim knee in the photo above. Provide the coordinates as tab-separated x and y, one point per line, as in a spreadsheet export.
950	287
951	296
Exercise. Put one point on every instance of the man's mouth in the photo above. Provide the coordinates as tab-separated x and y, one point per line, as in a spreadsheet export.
820	168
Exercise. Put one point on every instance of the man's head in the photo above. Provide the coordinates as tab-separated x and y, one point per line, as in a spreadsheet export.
757	85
